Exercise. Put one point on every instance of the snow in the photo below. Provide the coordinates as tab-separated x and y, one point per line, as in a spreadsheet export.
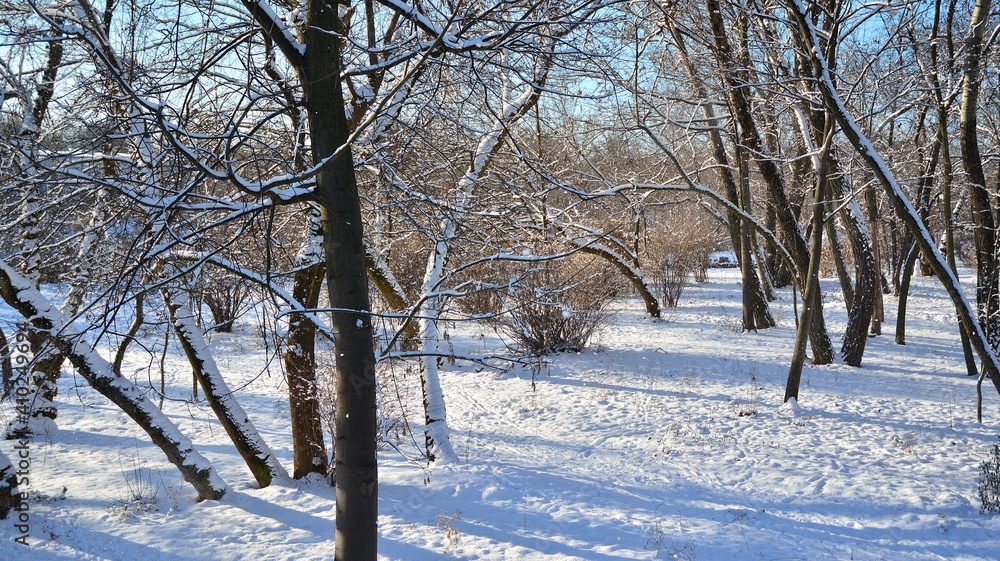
663	440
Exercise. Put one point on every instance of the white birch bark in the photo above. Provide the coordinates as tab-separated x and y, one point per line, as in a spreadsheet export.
436	425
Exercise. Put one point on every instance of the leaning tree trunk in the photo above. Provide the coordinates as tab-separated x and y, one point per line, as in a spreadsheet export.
21	295
251	446
630	272
812	288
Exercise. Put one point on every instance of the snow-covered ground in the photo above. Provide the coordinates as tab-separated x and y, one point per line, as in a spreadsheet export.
664	440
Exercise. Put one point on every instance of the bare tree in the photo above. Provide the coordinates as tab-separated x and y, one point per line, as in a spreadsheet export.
904	209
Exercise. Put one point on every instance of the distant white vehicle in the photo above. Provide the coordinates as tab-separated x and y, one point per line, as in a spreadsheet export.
723	259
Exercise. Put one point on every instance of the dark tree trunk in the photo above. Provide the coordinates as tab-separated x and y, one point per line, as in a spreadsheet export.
878	315
904	209
866	285
751	139
846	284
319	68
347	284
5	366
904	292
756	313
10	498
300	366
781	275
988	271
812	290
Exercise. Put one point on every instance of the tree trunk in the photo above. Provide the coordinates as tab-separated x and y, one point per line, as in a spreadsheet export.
255	452
863	295
631	273
904	292
10	498
778	270
947	212
988	272
866	284
387	285
750	137
308	446
878	316
6	367
843	276
812	288
21	295
904	209
356	464
756	313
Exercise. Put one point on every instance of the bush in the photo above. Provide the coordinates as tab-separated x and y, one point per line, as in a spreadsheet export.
557	308
678	245
989	481
226	297
670	277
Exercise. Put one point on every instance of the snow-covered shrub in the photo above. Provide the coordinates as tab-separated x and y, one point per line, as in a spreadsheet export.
989	481
557	308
